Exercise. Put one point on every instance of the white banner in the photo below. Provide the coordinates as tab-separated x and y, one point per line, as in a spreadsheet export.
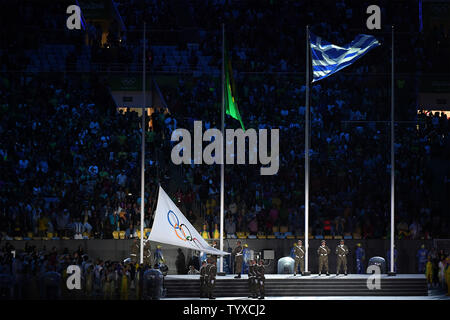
170	226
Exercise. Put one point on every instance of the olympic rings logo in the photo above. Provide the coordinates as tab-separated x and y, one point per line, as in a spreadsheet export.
181	230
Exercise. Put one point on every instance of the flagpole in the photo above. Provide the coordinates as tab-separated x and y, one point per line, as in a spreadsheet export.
222	165
306	272
143	154
392	158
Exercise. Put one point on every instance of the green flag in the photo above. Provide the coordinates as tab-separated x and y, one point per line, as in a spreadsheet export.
231	107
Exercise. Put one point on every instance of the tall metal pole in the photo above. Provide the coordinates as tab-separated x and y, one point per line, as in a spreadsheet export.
392	157
143	155
307	155
222	165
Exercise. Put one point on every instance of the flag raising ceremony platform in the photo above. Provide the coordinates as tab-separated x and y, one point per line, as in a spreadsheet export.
277	285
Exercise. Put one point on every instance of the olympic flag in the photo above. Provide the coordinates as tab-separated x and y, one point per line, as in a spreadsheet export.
170	226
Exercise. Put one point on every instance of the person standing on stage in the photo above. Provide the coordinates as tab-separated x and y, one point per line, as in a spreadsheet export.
211	271
299	257
261	279
323	253
246	258
215	246
342	252
203	280
238	258
360	257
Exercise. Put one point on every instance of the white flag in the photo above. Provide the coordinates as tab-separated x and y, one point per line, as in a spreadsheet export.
170	226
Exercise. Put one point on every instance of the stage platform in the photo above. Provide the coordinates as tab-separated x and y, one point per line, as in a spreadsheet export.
277	285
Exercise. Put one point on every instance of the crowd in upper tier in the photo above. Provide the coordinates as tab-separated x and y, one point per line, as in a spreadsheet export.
70	163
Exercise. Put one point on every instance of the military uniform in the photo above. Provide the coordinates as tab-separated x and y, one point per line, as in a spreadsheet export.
323	253
136	252
299	257
211	271
238	260
214	257
252	285
342	252
203	281
261	279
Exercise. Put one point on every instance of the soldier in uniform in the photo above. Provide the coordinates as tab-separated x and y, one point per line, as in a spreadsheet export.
246	258
147	253
135	251
238	259
342	252
261	279
203	280
211	271
252	279
299	257
323	253
214	245
360	257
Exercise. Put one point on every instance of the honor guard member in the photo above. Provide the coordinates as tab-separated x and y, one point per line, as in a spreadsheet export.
203	257
135	251
252	279
261	279
422	256
147	253
203	280
299	257
238	254
323	253
360	257
211	271
215	246
342	252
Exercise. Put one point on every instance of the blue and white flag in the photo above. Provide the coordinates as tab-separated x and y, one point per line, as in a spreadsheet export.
328	58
